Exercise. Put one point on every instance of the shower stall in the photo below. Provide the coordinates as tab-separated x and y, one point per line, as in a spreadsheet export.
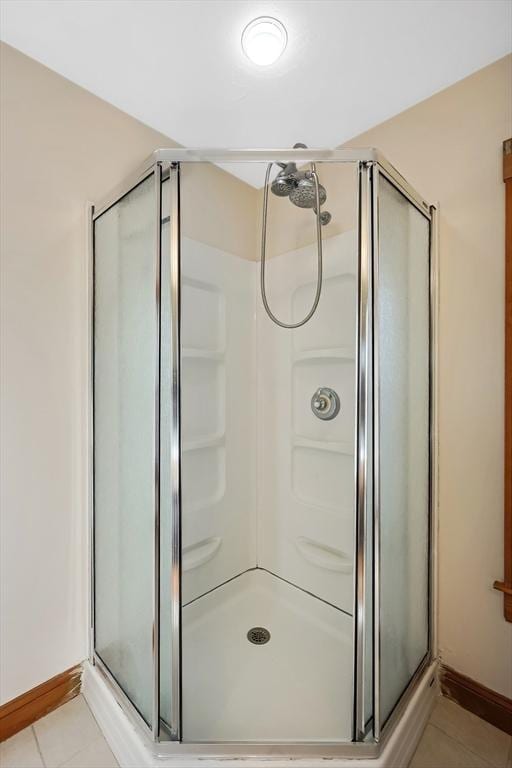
263	450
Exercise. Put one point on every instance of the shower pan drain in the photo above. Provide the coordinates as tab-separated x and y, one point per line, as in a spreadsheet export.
258	635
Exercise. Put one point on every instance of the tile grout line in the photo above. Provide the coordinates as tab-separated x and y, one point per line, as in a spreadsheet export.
82	749
90	710
465	746
101	736
455	738
38	745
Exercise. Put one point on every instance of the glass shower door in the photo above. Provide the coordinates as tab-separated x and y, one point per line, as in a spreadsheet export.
402	440
125	382
268	485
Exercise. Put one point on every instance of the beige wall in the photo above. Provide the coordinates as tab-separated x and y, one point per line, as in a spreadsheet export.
449	148
61	146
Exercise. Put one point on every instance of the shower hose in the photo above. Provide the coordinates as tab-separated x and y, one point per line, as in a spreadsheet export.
264	249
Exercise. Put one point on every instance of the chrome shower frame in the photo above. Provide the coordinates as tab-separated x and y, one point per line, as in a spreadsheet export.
368	739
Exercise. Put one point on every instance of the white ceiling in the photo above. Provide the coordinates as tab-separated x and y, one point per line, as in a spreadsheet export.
178	66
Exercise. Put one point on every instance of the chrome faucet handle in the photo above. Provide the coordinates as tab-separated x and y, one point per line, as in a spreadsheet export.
325	403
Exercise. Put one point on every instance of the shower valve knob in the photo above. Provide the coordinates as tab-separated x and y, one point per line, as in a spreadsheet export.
325	403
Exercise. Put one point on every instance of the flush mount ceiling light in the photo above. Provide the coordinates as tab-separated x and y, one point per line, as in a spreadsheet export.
264	40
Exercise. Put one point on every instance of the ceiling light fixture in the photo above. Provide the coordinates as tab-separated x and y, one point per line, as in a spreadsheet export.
264	40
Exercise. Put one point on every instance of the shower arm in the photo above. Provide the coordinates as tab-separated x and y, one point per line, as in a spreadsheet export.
298	145
264	249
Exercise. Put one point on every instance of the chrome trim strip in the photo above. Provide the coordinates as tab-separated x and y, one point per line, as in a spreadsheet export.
434	455
174	256
167	157
215	155
211	155
156	458
396	178
405	697
124	188
376	455
282	749
90	426
122	699
361	439
426	668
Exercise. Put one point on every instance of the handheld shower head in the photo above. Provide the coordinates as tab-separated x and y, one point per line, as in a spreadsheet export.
303	193
285	181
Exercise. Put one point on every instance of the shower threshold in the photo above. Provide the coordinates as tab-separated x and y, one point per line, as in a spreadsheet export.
133	749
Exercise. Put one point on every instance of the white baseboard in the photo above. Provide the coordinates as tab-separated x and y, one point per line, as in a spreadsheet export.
133	750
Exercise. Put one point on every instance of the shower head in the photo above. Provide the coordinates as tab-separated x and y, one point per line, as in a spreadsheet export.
303	194
284	182
300	187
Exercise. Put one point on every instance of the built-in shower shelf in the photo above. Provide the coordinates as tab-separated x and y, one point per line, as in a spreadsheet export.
313	507
336	353
199	553
333	446
204	442
320	554
202	354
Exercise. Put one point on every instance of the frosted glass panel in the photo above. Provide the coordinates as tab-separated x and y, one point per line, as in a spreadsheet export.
403	338
124	436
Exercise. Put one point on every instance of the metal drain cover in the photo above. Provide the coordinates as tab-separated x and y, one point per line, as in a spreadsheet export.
258	635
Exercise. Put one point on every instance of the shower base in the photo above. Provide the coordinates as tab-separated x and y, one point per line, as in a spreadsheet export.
295	687
133	749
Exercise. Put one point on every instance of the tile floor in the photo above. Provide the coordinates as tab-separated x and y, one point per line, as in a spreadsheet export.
454	738
70	738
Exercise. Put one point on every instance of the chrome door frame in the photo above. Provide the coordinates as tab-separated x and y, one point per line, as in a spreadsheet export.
152	731
363	442
168	157
383	168
165	164
174	255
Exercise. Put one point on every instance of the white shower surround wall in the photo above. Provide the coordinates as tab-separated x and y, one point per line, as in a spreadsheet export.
218	419
306	506
265	483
